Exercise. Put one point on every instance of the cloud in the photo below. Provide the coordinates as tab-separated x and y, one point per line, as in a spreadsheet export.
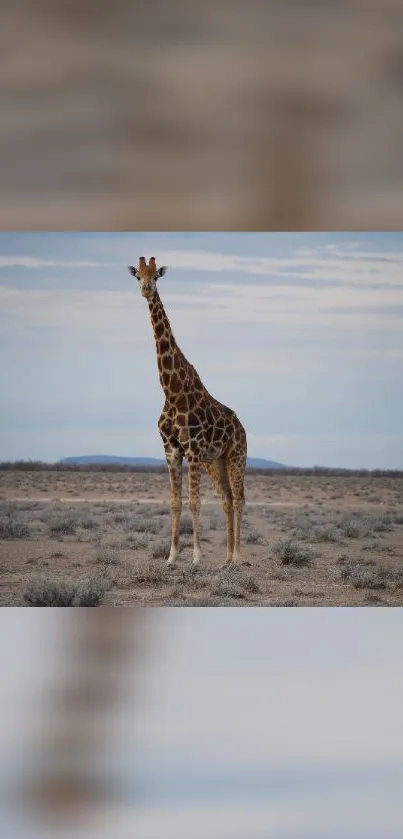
122	311
36	262
316	266
380	310
104	313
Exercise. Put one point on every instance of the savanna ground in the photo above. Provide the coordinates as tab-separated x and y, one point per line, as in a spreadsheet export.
101	538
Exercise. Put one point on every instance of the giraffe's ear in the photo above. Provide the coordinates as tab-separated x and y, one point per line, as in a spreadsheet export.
161	271
133	271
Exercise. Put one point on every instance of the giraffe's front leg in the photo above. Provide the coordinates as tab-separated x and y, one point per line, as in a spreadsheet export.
194	507
174	460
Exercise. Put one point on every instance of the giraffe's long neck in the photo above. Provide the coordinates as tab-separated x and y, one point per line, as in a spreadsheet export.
164	338
173	367
160	323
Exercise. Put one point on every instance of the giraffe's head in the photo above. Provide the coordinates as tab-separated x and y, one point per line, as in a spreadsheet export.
147	275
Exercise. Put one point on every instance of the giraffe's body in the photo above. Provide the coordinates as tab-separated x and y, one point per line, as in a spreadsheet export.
196	426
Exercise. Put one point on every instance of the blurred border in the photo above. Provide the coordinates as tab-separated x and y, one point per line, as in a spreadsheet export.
275	115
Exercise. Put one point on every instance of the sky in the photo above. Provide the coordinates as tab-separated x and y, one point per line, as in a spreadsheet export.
301	334
282	723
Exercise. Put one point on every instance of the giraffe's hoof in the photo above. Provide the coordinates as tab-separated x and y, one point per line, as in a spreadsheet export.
170	563
197	556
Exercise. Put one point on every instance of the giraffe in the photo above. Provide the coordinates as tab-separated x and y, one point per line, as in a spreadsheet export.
195	426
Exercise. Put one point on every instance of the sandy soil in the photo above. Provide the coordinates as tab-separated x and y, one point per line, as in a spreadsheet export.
328	541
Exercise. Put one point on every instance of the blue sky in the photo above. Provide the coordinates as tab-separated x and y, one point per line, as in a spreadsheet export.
302	334
247	722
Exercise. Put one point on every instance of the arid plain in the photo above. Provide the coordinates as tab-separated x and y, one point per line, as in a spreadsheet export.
102	537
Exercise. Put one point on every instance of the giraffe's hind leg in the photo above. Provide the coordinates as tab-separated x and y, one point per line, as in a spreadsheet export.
195	469
236	463
219	477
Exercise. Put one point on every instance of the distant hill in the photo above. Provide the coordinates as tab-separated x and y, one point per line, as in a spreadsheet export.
261	463
87	459
110	458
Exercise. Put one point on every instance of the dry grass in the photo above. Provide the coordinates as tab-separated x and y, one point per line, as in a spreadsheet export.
230	582
12	529
290	553
150	572
360	575
44	591
306	540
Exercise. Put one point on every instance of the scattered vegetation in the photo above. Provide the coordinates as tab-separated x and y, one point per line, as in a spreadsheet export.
89	524
291	553
358	525
143	524
326	533
63	526
150	572
160	550
13	529
233	582
107	555
315	471
206	601
350	531
137	541
361	576
43	591
254	538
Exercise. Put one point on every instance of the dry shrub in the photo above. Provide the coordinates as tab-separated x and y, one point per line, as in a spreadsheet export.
290	553
43	591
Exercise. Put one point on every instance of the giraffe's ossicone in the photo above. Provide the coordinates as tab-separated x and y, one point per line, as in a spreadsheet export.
196	426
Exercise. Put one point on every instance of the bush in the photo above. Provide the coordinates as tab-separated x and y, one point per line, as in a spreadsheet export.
13	529
359	576
160	550
89	524
64	526
144	525
290	553
135	541
231	582
326	533
46	592
150	572
254	538
107	555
